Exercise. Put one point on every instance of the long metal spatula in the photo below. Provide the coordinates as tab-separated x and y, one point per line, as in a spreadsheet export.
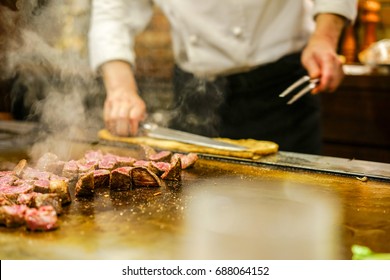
155	131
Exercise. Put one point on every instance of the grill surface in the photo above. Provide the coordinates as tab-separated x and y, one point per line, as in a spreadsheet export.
146	224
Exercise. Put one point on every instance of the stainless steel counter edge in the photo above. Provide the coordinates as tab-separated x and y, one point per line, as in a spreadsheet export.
317	163
337	165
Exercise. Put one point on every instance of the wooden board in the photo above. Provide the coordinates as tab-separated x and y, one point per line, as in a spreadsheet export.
256	148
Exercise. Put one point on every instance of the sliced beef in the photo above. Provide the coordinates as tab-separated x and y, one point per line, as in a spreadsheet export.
143	177
93	155
124	161
164	156
19	168
174	172
47	182
160	167
85	186
8	179
41	186
121	179
36	200
43	218
35	174
148	151
12	192
4	201
35	196
12	216
26	199
108	162
157	168
85	167
71	170
187	160
6	173
60	186
142	163
101	178
48	199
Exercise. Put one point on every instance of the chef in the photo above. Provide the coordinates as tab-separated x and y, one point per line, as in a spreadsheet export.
233	59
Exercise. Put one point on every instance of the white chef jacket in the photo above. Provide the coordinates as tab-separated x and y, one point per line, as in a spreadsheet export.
211	37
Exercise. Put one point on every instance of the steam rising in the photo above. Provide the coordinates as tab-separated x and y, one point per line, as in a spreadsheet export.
52	87
57	89
199	101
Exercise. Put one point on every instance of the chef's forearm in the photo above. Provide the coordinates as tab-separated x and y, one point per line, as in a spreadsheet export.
118	76
329	27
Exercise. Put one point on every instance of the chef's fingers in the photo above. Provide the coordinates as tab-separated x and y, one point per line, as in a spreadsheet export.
328	68
313	68
331	74
137	114
109	122
122	127
122	113
116	117
121	119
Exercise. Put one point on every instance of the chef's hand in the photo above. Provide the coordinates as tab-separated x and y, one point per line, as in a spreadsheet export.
320	58
124	109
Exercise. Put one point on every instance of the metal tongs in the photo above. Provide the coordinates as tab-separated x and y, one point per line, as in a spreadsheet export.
312	83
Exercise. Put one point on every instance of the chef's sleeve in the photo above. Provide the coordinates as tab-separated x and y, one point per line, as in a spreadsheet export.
345	8
113	27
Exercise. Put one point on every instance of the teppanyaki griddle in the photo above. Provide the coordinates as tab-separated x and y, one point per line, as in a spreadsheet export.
150	223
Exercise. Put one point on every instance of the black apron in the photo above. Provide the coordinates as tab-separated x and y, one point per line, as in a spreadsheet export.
247	105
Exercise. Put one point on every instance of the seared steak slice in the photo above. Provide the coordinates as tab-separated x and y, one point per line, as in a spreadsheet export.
35	174
12	192
4	201
85	186
12	216
160	167
93	155
19	168
108	162
60	186
8	179
142	163
174	172
26	199
164	156
71	170
43	218
121	179
6	173
143	177
85	167
101	178
157	168
36	200
147	164
124	161
48	199
187	160
148	151
41	186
